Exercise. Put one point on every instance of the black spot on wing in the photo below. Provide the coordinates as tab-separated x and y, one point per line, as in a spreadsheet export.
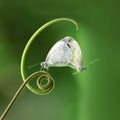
68	45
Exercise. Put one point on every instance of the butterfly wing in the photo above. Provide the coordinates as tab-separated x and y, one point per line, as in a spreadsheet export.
59	55
65	52
76	61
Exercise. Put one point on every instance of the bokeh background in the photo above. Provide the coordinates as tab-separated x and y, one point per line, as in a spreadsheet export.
93	94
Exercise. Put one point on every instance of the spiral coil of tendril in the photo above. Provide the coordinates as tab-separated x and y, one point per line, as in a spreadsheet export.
43	88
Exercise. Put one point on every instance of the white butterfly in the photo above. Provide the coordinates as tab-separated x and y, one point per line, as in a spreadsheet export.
65	52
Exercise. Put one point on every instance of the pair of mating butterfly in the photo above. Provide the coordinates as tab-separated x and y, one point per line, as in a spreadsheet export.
65	52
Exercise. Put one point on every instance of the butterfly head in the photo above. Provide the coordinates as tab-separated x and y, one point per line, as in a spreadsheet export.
84	67
44	65
81	68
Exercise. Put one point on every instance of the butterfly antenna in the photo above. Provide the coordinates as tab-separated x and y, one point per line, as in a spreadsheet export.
92	62
33	65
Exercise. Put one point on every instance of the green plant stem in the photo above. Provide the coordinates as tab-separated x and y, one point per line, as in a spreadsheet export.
17	94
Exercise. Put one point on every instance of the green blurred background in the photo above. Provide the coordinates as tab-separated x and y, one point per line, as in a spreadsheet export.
91	95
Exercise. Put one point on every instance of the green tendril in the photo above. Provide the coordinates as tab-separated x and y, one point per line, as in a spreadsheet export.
44	89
